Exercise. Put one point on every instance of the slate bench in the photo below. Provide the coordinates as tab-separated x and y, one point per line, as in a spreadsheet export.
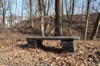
67	43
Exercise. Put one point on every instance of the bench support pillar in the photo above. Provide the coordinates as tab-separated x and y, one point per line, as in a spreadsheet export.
39	43
34	43
68	46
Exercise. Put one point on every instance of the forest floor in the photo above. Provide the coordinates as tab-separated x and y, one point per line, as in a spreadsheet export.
14	50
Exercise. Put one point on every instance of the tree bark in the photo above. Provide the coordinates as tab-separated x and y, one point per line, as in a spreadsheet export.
58	17
96	28
4	13
1	17
41	9
22	10
31	15
11	17
71	19
49	6
87	18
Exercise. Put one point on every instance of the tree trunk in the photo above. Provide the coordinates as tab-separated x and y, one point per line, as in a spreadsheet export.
16	10
4	12
22	10
1	18
47	28
71	19
87	19
96	28
3	24
44	6
70	14
58	17
82	12
31	15
9	3
49	6
41	16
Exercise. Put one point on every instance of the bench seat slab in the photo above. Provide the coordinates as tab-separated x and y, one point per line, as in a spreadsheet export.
66	43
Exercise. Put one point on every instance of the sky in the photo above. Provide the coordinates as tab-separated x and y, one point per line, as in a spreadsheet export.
78	6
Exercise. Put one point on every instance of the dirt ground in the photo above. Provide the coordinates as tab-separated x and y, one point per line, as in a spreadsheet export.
14	50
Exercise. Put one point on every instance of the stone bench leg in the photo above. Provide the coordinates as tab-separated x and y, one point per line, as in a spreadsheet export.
39	43
68	46
34	43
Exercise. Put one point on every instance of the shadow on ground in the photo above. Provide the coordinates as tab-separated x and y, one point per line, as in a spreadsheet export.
44	48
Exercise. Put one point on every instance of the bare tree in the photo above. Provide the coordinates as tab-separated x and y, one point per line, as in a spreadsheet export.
11	17
4	12
27	8
1	23
41	9
0	6
31	15
71	19
49	5
96	27
58	18
15	9
44	6
5	6
22	9
87	18
36	10
70	13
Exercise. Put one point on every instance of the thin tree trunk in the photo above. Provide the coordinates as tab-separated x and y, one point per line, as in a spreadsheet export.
44	6
41	16
16	10
10	12
1	3
52	32
71	19
49	5
3	24
47	27
87	19
22	10
96	28
67	10
4	12
82	11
